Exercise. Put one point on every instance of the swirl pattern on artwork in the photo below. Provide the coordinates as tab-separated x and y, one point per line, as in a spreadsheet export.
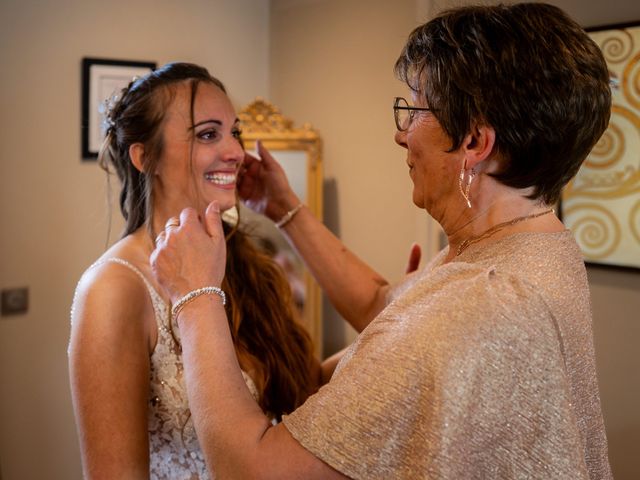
610	171
601	205
596	229
631	81
609	149
617	47
634	221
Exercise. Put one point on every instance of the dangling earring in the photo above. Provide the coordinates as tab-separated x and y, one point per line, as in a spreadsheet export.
467	182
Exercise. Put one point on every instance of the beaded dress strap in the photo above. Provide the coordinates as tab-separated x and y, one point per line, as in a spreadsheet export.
152	291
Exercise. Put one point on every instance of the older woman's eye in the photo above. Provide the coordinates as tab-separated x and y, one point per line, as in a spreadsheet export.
236	132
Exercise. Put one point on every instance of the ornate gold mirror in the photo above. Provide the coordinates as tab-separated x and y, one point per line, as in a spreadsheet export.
298	150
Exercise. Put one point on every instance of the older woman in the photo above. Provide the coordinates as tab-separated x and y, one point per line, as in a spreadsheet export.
479	366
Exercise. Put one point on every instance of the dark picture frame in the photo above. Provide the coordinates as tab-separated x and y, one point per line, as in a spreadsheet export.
101	79
601	205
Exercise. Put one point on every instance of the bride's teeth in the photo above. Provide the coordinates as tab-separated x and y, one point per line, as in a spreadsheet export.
220	178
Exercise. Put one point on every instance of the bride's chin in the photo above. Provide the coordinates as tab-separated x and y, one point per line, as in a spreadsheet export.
225	202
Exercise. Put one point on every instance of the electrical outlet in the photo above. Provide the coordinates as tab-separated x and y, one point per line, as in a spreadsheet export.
15	301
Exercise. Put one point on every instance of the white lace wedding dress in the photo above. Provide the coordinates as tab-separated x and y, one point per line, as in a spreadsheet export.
173	446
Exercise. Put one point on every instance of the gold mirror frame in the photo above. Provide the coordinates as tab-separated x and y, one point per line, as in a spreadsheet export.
261	120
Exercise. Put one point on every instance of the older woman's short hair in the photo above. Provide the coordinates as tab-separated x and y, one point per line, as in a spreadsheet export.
528	71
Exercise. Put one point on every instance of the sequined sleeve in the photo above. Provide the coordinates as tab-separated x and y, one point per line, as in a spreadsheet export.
461	376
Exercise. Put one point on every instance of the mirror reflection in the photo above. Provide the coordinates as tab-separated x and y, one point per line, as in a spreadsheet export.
298	150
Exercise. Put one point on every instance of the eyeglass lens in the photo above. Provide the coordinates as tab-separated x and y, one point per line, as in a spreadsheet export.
402	114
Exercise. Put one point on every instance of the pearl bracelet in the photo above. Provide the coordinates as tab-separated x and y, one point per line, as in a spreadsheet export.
193	294
288	216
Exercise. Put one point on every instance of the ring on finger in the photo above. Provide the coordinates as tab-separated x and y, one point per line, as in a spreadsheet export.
172	222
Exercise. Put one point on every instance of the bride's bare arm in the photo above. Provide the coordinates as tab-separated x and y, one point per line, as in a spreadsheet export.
109	373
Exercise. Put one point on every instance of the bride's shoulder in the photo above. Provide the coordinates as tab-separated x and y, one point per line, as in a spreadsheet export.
115	282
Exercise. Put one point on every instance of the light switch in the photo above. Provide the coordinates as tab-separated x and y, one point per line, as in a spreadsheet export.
15	301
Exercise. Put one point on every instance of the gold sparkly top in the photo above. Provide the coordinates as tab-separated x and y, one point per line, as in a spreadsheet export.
479	368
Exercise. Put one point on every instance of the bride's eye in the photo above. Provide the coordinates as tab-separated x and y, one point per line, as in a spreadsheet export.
209	134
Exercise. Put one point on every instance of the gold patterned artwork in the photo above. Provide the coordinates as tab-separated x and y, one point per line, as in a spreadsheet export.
601	205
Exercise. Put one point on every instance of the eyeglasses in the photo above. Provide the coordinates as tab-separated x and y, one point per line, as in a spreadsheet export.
404	114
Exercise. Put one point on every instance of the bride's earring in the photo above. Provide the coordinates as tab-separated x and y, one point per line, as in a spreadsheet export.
464	183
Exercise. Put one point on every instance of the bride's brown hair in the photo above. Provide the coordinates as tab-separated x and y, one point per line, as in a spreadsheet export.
268	340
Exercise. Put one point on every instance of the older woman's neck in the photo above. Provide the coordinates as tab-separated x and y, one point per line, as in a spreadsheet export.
491	208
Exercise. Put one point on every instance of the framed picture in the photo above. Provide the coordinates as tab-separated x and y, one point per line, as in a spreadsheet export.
601	205
101	79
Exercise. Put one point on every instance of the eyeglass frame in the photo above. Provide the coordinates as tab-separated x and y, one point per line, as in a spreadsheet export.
412	111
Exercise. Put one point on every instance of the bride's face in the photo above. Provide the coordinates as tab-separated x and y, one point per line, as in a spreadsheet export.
201	153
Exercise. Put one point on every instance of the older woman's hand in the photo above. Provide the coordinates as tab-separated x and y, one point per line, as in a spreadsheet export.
190	254
263	185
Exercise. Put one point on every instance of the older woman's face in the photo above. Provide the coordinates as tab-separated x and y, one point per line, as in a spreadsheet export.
200	160
433	170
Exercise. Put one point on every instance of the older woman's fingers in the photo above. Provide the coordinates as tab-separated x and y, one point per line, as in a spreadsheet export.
213	221
414	258
188	217
266	158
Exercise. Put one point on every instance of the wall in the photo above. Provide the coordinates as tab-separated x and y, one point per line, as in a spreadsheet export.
331	65
52	205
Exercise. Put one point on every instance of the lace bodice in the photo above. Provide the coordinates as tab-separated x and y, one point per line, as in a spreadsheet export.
175	453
